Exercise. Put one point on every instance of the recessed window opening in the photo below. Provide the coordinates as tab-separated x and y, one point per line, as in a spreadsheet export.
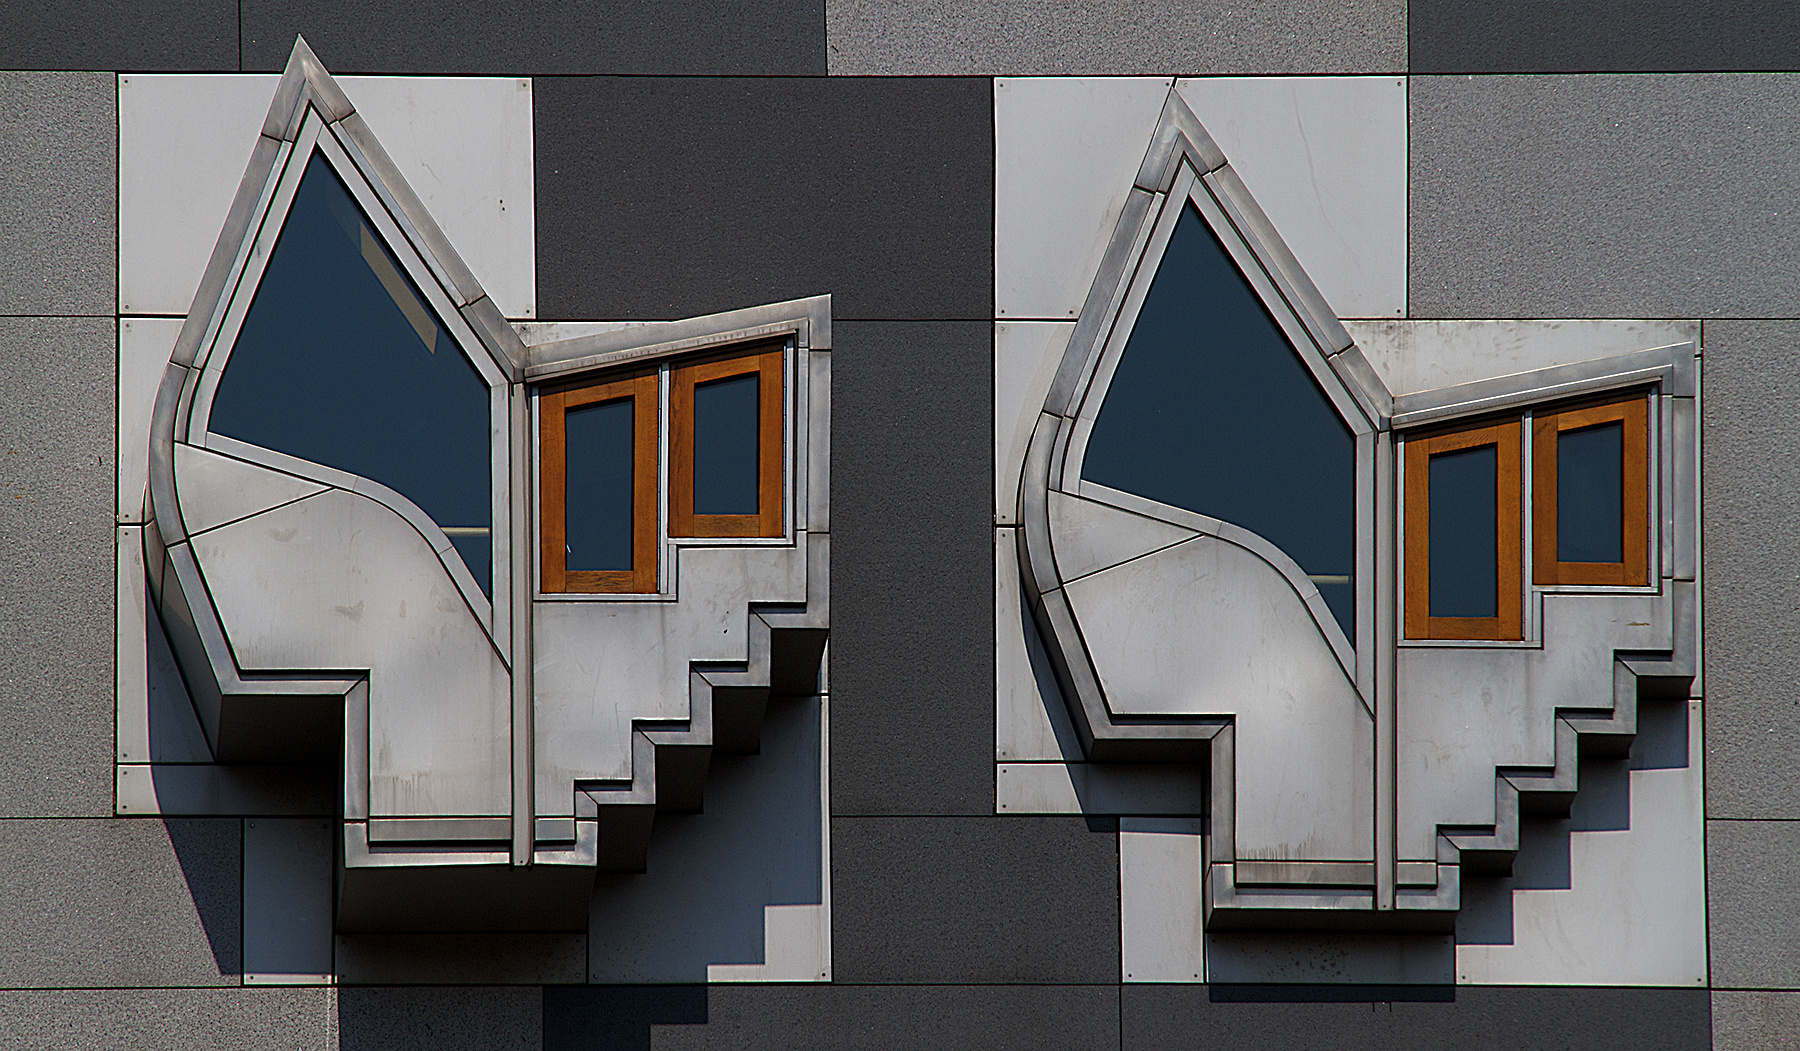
597	483
1591	493
1211	409
341	361
725	446
1463	533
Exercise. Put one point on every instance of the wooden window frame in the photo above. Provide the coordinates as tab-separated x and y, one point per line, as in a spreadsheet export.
766	364
1508	623
1634	569
553	468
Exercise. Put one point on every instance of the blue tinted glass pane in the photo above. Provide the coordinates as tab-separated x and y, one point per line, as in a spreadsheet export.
725	446
1590	494
1212	410
341	362
1463	535
598	504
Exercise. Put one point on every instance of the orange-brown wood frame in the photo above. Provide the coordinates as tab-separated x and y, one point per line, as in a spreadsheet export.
1634	569
553	480
766	364
1506	437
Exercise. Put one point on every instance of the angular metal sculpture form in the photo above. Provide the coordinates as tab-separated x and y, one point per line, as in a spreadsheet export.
1204	620
497	745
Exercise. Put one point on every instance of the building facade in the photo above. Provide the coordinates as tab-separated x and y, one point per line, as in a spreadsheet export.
1294	473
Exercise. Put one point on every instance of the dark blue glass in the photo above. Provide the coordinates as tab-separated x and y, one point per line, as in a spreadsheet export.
341	361
726	439
1590	494
1463	536
598	502
1211	409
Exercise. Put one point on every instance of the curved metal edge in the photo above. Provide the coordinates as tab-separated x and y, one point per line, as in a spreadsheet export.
807	320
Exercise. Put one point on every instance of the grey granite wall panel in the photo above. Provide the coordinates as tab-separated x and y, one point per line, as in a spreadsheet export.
1466	1018
185	35
1750	424
893	1018
121	902
993	899
1755	1021
537	37
1753	898
912	652
1605	196
1550	36
1072	38
58	188
452	1018
667	198
56	542
268	1019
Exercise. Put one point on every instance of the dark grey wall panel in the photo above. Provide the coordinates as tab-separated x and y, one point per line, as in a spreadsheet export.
456	1018
1753	897
666	198
893	1018
167	1019
56	542
1751	500
192	35
1075	38
118	902
1477	1018
912	651
1605	196
989	899
58	192
534	37
1552	36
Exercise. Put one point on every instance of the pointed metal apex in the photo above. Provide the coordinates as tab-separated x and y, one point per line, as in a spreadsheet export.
305	79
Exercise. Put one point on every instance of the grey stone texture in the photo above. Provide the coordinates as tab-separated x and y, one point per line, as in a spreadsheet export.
1071	38
912	653
168	1019
894	1018
186	35
1755	1021
669	197
1549	36
121	902
1750	419
983	900
1467	1018
1752	900
454	1018
684	37
1605	196
56	542
58	190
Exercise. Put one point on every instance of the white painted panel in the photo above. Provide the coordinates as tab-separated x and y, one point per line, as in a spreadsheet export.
145	344
1066	150
1160	932
288	872
1325	157
1030	720
1088	788
215	489
1091	536
1414	356
1634	912
463	143
1026	354
131	650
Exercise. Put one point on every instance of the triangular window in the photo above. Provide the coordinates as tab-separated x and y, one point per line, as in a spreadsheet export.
342	361
1211	409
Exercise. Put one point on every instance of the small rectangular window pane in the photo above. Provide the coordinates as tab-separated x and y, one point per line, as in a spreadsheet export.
1464	544
1590	494
597	507
726	446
